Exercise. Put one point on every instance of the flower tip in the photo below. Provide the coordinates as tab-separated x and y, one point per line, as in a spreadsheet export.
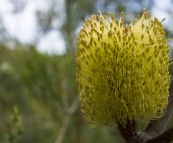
100	13
144	10
121	15
109	14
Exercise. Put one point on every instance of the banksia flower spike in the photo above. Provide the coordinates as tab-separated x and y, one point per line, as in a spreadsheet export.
122	71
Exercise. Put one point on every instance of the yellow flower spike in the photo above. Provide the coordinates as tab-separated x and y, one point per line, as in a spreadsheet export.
122	71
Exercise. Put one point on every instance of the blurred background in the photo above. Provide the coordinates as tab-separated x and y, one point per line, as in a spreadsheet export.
38	95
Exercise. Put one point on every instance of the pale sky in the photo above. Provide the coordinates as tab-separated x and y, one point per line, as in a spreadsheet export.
23	25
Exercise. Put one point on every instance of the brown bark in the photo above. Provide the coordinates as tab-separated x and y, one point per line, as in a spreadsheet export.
129	130
131	133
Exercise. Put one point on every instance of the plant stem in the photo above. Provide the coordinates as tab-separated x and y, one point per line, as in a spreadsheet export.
129	130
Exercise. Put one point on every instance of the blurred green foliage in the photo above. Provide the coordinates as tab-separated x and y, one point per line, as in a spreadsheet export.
42	87
37	84
14	127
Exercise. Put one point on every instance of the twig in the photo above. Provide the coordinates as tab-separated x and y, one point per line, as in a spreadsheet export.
74	106
66	120
165	137
63	129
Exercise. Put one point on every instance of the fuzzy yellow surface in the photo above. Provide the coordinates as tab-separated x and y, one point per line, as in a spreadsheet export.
122	71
